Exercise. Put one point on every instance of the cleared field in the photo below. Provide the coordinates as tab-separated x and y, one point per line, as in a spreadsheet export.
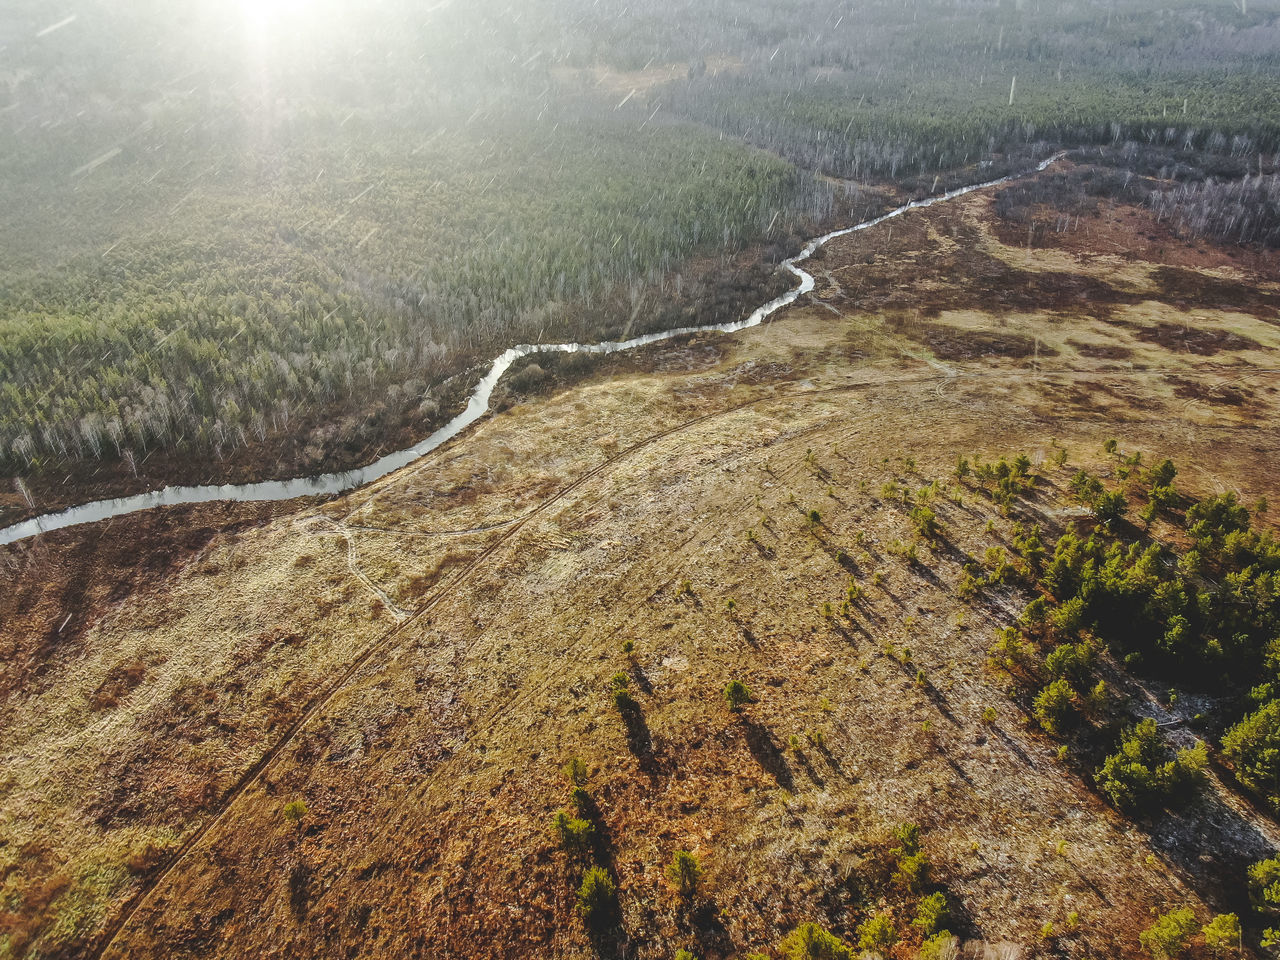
417	661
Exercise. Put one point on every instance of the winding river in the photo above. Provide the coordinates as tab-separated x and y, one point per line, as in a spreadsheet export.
477	405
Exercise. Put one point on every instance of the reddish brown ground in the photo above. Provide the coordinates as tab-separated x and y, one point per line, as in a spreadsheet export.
268	663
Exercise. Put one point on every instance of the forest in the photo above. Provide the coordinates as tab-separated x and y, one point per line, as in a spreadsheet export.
256	218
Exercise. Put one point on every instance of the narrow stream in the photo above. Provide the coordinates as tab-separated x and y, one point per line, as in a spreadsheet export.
477	405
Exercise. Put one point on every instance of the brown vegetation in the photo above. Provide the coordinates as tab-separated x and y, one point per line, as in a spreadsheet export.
149	762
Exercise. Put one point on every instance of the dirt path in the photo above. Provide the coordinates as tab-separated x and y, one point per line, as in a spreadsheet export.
251	776
255	772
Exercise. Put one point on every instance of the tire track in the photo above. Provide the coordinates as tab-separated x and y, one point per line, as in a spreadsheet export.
107	939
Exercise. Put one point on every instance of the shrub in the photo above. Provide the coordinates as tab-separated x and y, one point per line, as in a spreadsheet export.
575	771
912	871
623	700
576	834
1069	661
1162	474
1069	618
619	685
736	694
942	946
810	942
294	811
1053	706
969	586
684	872
1167	937
582	802
1222	934
877	934
908	837
1253	747
685	955
597	897
1143	773
930	913
1264	893
1148	514
1010	651
1109	507
1096	700
999	563
926	523
1213	519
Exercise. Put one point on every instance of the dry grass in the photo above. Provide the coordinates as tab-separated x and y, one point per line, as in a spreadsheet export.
430	777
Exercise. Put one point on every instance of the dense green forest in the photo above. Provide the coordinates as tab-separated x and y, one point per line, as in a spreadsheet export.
222	217
1175	589
275	292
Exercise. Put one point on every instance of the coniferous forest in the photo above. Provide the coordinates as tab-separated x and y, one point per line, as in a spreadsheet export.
221	225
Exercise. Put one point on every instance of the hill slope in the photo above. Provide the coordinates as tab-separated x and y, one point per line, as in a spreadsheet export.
416	662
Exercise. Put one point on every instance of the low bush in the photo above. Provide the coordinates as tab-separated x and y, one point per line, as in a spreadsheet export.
1222	934
877	934
1054	706
811	942
294	811
597	897
684	873
736	695
1169	936
1144	773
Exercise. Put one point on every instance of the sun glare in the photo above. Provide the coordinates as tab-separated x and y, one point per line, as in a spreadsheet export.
276	23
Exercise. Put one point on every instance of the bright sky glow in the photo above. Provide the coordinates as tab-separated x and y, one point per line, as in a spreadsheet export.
284	27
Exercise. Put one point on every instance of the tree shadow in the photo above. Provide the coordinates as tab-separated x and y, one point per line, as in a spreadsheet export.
831	760
642	679
299	890
1210	846
607	935
937	698
809	770
1014	747
944	547
709	930
958	770
766	752
848	628
960	920
639	740
925	572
